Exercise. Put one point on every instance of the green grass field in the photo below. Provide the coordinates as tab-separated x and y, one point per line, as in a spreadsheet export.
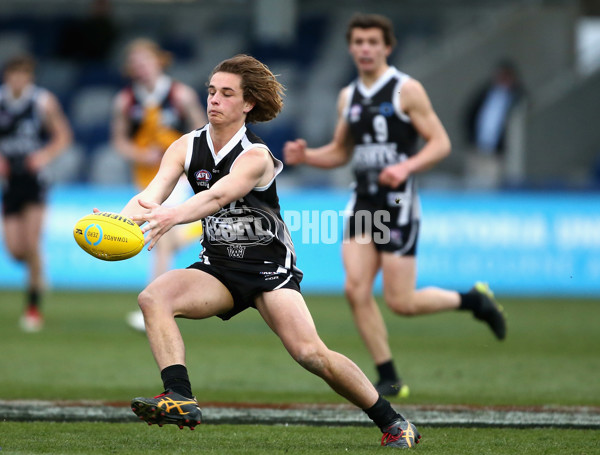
86	351
127	438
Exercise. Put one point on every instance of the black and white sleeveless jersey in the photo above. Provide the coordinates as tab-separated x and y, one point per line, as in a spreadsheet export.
383	135
22	130
248	234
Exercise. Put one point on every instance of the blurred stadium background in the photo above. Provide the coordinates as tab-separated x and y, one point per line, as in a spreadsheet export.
537	234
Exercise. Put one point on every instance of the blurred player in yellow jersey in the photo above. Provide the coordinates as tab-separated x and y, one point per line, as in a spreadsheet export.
148	115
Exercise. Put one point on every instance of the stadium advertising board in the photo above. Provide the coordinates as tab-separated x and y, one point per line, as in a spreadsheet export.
522	243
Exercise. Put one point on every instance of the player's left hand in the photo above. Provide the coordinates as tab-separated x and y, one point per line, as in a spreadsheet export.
159	220
394	175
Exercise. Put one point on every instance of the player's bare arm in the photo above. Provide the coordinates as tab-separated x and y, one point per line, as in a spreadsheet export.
120	139
187	100
159	189
416	104
334	154
60	132
4	167
253	169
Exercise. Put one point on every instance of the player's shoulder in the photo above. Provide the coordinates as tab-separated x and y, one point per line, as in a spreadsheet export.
412	89
344	96
184	139
188	138
45	99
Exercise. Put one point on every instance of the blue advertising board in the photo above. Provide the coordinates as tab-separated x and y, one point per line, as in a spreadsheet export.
521	243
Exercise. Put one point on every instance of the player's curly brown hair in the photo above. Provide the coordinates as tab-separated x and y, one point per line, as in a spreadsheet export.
360	20
259	85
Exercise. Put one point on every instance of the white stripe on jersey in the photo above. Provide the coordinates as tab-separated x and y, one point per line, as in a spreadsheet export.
247	146
190	147
368	92
349	95
402	78
228	147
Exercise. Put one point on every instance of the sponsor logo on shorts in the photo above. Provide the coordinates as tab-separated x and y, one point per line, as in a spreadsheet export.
396	236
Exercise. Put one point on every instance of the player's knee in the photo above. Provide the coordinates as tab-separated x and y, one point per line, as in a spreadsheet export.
31	255
356	291
403	305
18	253
147	300
310	357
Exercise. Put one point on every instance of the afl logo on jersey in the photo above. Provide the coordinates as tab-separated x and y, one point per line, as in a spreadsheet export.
386	109
203	178
355	111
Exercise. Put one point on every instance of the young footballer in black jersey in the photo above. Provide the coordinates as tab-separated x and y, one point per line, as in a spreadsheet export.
248	258
381	116
33	132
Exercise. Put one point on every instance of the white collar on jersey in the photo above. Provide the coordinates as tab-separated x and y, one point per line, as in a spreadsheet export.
158	93
385	77
17	105
237	137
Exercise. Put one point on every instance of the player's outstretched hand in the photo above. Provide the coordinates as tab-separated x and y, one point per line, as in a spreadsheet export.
294	152
159	220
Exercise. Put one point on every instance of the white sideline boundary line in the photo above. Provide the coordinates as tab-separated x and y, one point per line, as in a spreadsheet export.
332	415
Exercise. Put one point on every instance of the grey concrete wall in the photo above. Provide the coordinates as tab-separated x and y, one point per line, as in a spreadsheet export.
540	41
563	137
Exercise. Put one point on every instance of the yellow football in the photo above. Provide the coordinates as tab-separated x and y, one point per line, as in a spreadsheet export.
108	236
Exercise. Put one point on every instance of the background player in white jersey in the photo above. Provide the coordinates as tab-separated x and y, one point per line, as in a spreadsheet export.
33	132
148	116
248	258
380	118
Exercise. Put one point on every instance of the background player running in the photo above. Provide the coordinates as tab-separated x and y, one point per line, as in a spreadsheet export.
33	132
381	116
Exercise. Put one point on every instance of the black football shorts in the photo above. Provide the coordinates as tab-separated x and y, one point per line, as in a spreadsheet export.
245	286
20	191
380	223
